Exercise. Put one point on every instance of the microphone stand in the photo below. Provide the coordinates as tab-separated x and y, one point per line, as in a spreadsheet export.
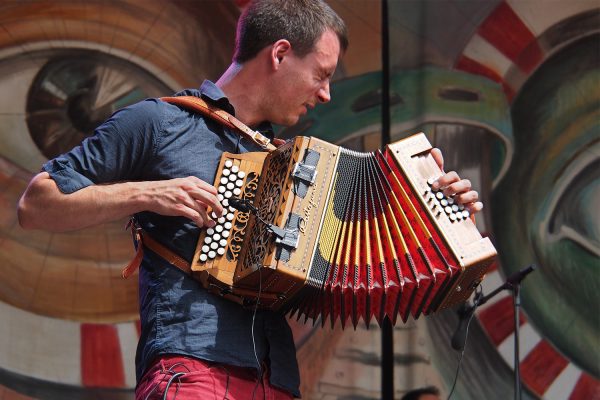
513	283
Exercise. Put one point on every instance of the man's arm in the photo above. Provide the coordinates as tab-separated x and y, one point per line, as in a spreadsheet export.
44	206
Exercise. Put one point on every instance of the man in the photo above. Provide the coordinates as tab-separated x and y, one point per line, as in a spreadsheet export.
154	160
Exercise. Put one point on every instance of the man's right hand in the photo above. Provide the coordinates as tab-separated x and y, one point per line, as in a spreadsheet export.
44	206
188	197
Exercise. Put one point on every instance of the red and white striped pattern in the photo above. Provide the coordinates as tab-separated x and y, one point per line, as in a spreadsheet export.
543	369
68	352
505	47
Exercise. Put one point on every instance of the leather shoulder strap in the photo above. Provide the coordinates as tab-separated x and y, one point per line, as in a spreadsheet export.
197	104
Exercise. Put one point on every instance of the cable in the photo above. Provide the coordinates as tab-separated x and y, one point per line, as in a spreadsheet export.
462	353
260	371
177	375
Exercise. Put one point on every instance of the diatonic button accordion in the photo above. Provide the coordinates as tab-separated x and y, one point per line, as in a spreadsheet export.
320	231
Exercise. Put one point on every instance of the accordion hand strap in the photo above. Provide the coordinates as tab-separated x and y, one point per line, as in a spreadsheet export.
197	104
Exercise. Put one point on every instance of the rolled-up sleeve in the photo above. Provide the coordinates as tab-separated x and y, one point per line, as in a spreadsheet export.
118	150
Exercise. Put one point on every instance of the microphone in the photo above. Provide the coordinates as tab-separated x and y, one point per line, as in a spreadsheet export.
460	335
517	277
466	309
242	205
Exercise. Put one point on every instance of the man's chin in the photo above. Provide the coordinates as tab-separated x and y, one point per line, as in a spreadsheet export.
289	121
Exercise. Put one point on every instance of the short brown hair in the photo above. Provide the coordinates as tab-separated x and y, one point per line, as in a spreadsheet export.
301	22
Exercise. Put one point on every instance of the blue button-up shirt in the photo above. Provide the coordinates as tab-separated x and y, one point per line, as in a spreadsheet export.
154	140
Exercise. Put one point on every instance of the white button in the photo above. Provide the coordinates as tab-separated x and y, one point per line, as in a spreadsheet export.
235	169
439	195
239	183
228	163
205	248
229	217
453	217
210	231
222	189
211	254
219	228
222	219
214	245
237	191
451	200
207	240
232	177
223	242
227	225
225	234
203	257
230	186
228	194
454	207
221	251
444	202
226	172
220	197
465	214
224	180
225	203
241	174
448	210
216	237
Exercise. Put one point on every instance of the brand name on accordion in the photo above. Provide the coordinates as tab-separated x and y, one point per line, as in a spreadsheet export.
306	212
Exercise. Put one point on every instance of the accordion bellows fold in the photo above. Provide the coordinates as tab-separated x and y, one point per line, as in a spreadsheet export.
333	234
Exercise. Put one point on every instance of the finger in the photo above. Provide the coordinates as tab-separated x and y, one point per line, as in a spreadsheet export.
445	180
208	221
438	157
462	186
207	200
474	207
201	185
466	198
191	213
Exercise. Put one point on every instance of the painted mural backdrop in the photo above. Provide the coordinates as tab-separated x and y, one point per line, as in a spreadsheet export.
510	90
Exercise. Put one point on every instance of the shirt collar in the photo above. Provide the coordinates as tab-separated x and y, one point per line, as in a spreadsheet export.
211	92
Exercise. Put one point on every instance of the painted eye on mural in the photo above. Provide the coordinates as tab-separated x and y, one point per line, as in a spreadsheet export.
575	217
61	96
77	90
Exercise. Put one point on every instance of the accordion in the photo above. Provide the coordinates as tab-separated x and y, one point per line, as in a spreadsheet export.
320	231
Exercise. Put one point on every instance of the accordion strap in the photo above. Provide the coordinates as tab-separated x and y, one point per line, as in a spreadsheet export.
142	239
197	104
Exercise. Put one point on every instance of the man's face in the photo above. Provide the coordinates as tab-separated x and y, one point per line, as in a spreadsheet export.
302	82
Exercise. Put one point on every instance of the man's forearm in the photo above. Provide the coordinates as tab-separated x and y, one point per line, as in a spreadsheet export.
43	206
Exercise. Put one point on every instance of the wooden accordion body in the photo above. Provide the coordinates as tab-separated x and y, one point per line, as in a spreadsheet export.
341	234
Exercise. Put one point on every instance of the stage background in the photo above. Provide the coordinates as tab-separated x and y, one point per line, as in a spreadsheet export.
510	90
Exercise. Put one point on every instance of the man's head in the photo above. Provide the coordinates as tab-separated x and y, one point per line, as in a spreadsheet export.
295	46
301	22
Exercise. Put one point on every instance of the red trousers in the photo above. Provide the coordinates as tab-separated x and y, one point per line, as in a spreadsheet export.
186	378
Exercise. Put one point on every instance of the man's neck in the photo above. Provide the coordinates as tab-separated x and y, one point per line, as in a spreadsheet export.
240	86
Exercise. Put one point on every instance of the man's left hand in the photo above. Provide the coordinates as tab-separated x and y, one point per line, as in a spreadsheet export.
452	185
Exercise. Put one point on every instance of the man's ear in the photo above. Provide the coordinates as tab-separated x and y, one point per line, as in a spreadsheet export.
279	51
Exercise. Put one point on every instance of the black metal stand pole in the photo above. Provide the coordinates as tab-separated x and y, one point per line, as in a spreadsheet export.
387	330
517	307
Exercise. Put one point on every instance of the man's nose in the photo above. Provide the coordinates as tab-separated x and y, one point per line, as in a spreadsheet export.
323	94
